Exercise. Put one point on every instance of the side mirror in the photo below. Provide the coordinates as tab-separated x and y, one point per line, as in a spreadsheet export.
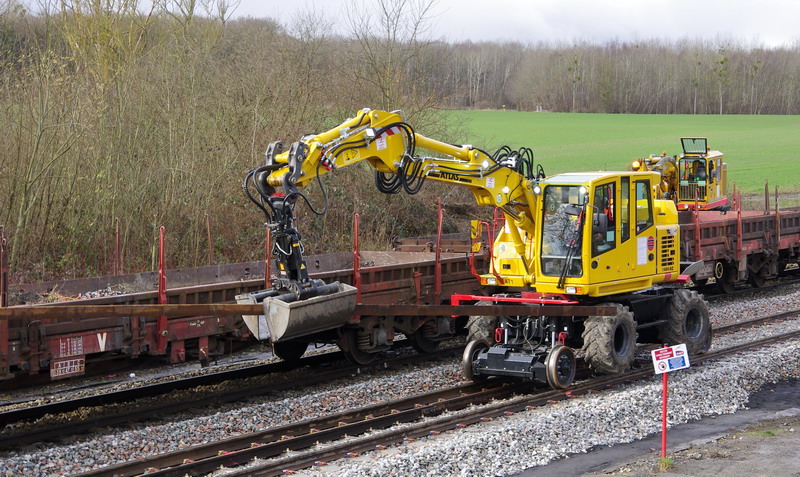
583	196
599	223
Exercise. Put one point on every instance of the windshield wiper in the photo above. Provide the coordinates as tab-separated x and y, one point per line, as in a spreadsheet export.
573	245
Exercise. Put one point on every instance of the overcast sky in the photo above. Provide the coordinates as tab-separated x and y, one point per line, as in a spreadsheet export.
769	23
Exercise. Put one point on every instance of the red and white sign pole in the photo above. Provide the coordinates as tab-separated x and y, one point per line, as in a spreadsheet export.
664	393
666	360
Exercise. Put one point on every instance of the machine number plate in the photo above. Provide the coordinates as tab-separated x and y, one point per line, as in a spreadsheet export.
64	368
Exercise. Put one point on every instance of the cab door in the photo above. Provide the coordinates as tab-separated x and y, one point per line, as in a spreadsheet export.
644	238
606	233
622	231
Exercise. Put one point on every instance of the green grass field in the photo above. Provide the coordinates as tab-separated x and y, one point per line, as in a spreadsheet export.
755	147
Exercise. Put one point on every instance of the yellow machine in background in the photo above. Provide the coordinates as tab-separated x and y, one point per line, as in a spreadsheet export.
581	241
698	178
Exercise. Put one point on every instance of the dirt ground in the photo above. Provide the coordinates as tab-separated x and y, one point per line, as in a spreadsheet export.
763	440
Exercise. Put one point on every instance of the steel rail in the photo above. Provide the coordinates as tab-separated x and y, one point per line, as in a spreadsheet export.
134	413
781	282
273	442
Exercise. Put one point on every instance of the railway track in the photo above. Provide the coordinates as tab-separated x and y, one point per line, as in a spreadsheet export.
123	415
712	293
350	433
143	412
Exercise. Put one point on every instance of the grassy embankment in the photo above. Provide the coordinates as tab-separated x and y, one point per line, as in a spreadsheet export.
755	147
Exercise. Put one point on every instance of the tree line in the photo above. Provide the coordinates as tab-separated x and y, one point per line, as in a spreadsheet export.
117	113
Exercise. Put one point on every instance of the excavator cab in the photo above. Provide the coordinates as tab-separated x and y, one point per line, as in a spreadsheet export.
594	234
703	176
696	179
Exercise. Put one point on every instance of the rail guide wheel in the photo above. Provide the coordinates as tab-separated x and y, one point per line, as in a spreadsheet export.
560	367
471	352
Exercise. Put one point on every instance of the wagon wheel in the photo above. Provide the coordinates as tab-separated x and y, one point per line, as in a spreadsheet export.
289	350
348	343
422	344
725	275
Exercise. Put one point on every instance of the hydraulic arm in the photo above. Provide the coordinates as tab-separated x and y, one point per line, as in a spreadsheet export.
504	179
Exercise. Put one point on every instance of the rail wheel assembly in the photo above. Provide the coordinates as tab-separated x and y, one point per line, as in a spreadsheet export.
560	367
421	342
471	352
725	276
348	343
609	342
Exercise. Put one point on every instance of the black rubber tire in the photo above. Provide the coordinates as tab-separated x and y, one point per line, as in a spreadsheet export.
560	367
687	322
481	327
472	350
609	342
289	350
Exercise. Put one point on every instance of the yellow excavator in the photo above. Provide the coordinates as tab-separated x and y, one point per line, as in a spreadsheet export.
585	261
698	179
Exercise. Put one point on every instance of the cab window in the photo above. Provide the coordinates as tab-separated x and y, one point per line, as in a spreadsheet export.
644	207
604	218
625	209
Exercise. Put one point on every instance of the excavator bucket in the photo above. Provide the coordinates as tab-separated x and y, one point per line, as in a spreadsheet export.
285	318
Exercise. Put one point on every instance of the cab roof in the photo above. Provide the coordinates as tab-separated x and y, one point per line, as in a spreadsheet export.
584	177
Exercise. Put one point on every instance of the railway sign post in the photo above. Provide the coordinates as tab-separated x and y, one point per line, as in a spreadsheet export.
666	360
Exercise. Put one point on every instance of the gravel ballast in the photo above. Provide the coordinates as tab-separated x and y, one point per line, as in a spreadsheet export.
511	444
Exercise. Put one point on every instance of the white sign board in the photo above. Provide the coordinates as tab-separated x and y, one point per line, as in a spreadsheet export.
671	358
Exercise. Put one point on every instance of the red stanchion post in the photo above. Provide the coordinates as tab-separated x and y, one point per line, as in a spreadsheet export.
4	335
210	243
162	293
437	270
116	268
3	269
356	263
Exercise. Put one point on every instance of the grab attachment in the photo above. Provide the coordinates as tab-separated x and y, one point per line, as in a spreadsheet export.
287	315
